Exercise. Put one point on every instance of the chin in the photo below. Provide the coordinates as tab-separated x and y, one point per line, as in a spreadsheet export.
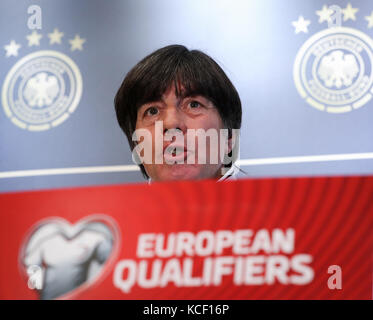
181	172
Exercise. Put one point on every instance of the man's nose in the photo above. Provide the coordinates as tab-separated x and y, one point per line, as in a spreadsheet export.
174	119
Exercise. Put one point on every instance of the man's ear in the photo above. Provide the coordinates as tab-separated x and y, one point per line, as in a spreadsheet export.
231	142
230	145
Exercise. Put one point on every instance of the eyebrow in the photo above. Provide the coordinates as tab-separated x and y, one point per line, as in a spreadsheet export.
179	99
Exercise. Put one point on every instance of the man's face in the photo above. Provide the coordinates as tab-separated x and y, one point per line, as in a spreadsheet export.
179	115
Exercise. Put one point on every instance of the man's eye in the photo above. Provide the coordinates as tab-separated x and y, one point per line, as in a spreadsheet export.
152	111
194	104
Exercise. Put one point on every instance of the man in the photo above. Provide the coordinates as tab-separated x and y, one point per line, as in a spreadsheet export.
167	102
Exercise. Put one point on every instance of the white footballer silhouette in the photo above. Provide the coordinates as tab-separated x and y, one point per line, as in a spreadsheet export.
67	255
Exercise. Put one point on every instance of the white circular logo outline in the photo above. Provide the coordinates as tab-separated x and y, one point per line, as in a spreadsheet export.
70	108
298	64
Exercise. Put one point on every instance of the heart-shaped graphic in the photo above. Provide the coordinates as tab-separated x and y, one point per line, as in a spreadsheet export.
63	259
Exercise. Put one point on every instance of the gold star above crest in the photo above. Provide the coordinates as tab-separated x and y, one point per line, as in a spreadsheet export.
34	39
324	14
12	49
349	12
55	36
77	43
370	20
301	25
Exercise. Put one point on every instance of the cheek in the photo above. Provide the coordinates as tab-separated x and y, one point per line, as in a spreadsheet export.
215	121
211	120
144	143
209	151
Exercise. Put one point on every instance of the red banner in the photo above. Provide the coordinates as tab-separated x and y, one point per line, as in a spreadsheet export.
287	238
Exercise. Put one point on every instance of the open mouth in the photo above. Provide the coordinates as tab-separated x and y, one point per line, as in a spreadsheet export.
175	153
